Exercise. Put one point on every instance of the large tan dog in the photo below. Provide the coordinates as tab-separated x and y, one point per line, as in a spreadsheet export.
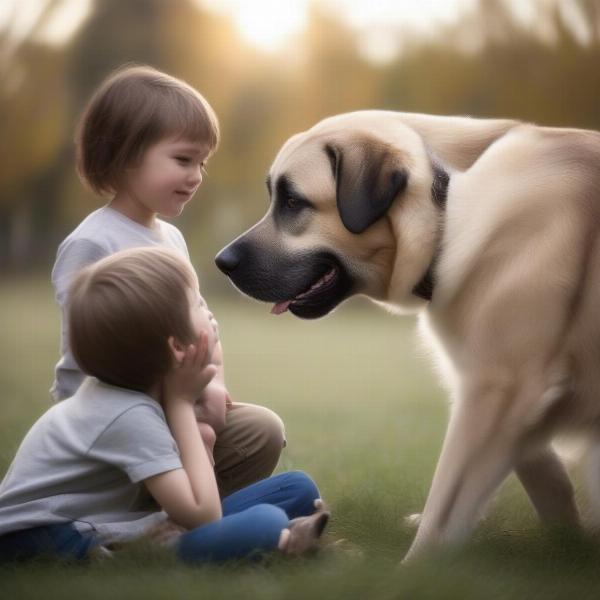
489	228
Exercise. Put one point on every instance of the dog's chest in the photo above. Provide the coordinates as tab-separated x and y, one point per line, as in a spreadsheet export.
444	346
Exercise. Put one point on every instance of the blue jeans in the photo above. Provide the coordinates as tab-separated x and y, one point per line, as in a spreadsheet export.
253	519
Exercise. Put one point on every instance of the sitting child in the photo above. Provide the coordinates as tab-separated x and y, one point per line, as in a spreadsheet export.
139	328
142	143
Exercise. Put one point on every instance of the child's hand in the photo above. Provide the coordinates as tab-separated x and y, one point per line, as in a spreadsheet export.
191	373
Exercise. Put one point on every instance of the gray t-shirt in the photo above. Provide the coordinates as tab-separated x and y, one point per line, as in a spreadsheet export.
100	234
83	462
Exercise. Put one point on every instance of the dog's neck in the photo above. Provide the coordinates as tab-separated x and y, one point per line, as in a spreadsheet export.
439	194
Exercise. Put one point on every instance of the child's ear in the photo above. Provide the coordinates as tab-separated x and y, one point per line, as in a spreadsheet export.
177	349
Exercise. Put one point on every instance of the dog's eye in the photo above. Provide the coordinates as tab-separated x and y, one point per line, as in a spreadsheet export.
292	203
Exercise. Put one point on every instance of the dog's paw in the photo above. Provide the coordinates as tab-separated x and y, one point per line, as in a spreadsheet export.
413	521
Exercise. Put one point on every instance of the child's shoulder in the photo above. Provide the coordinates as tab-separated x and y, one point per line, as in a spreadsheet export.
86	244
97	416
104	404
93	228
116	417
110	231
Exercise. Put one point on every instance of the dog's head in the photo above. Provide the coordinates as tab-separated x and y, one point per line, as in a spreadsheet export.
350	213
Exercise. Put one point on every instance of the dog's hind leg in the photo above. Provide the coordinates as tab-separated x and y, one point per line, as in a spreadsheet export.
545	479
549	488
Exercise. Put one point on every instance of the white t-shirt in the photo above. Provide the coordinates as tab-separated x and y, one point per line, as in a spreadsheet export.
83	461
100	234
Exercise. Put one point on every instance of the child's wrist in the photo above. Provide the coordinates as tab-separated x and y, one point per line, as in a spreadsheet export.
180	398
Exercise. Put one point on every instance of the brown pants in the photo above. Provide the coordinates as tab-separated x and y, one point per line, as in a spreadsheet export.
248	448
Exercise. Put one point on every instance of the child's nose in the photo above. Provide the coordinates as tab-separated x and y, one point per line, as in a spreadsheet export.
195	176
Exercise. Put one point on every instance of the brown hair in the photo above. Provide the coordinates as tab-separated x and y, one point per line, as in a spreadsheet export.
122	311
133	108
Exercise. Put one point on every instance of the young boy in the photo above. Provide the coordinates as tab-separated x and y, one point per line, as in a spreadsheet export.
143	140
139	328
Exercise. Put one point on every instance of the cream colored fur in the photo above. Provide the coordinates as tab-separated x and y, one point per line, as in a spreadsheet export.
515	311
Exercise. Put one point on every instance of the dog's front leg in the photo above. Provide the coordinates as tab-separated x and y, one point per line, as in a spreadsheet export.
477	454
549	488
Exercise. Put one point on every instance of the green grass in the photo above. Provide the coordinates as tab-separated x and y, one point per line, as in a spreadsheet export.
364	416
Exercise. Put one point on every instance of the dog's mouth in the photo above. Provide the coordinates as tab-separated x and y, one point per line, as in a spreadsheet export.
309	284
320	297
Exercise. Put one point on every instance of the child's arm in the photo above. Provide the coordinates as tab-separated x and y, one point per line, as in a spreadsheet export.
189	495
211	406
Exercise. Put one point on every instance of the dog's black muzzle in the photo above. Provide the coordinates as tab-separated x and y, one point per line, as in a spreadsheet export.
272	275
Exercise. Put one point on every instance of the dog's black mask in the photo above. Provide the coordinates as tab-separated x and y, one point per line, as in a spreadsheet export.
270	275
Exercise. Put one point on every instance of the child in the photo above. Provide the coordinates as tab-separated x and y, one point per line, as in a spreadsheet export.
143	140
138	326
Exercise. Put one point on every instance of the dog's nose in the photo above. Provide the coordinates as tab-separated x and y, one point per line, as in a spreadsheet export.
227	260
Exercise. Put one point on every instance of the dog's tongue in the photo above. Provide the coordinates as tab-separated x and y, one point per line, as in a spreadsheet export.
281	307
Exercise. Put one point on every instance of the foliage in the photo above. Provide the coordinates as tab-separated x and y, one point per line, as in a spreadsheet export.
487	64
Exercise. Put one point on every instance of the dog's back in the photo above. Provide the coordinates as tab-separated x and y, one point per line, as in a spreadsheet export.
518	280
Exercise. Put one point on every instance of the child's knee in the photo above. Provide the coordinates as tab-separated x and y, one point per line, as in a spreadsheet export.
272	430
304	489
269	516
267	438
269	521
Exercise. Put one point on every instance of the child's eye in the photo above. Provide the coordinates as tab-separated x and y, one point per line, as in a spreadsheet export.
184	160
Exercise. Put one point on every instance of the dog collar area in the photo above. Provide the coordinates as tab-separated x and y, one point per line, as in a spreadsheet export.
439	195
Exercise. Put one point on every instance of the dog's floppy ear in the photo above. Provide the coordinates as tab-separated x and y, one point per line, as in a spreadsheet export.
367	178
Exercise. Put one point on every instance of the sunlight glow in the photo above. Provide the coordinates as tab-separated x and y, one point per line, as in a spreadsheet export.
267	24
271	24
421	15
65	21
21	19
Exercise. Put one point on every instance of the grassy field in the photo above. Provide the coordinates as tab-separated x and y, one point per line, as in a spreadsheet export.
365	417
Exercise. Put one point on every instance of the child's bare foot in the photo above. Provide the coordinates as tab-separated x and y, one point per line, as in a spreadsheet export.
303	533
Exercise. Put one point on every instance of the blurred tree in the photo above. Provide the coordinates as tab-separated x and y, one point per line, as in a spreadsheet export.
116	33
491	65
32	120
336	77
590	10
488	64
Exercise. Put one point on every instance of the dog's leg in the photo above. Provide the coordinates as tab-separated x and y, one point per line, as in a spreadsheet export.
549	488
478	453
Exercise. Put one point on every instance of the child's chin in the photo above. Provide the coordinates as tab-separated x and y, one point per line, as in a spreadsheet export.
174	211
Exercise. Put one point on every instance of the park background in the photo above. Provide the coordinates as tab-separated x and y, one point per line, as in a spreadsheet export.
364	411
